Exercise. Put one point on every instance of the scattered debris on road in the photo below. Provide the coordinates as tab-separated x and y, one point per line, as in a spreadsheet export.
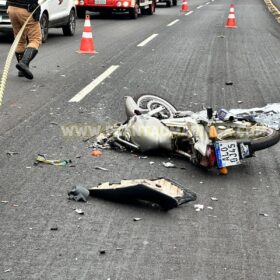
101	168
54	228
57	162
164	192
79	211
7	270
96	153
102	252
263	214
137	219
168	164
78	193
10	153
229	83
214	198
198	207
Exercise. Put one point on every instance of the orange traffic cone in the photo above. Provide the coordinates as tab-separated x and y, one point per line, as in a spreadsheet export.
231	18
87	45
185	6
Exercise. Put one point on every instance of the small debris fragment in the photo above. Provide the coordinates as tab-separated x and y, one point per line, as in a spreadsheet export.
239	101
201	182
152	162
221	36
142	157
102	252
28	167
119	249
214	198
101	168
80	211
96	153
198	207
168	164
137	219
10	153
210	207
53	123
54	228
7	270
57	162
263	214
78	193
229	83
145	242
4	201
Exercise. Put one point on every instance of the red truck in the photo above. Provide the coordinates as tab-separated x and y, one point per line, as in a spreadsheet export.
133	7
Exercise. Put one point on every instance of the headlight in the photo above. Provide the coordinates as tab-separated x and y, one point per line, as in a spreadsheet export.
125	4
119	4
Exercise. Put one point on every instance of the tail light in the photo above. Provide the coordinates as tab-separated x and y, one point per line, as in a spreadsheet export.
211	155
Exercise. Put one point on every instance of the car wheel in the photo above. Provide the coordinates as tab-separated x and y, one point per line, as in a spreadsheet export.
174	2
133	13
81	13
70	27
44	22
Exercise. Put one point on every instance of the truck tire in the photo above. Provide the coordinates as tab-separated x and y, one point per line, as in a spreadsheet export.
81	13
133	12
152	8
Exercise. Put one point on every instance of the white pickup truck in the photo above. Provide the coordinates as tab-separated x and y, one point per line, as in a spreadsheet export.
53	15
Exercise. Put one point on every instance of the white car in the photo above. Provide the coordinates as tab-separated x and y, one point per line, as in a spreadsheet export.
53	15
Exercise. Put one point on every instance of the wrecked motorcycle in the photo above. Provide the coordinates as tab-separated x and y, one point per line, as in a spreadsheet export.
208	139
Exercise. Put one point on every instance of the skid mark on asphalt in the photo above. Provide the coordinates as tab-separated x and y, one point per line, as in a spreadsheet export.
173	22
146	41
85	91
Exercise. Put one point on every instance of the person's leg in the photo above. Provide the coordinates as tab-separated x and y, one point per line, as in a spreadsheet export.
34	37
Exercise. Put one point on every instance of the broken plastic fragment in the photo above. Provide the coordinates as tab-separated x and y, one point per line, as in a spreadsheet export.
137	219
168	164
198	207
58	162
80	211
78	193
164	192
214	198
101	168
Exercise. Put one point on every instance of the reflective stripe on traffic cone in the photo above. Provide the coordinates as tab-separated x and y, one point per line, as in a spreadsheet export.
231	18
185	6
87	45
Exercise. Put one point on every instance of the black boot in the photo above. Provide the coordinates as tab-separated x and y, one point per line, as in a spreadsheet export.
19	57
23	65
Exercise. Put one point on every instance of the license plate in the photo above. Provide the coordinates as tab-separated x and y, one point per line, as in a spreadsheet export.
227	153
100	2
3	2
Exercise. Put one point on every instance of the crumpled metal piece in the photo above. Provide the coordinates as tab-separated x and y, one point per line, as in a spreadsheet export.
164	192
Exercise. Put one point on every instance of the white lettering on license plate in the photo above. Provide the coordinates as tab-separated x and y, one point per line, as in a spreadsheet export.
100	2
227	153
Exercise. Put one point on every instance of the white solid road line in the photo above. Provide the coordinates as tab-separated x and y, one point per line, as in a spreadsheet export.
190	12
173	22
199	7
85	91
147	40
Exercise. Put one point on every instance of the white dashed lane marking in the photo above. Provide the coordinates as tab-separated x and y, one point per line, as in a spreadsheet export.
147	40
85	91
173	22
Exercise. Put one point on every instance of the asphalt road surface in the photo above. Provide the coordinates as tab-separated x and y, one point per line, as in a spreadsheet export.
188	63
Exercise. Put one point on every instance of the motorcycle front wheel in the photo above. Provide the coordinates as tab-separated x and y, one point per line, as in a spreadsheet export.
150	102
